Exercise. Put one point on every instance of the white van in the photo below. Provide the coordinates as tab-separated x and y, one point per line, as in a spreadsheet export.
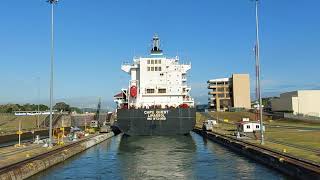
208	125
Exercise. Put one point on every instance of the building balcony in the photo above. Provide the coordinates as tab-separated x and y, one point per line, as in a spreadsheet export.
216	92
217	86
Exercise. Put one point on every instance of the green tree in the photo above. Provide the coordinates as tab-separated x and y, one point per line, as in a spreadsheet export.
10	108
62	106
78	110
43	107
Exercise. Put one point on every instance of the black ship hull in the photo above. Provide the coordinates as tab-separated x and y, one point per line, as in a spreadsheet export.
156	121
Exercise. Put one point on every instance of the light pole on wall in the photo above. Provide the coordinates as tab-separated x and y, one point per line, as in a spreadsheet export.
258	71
52	2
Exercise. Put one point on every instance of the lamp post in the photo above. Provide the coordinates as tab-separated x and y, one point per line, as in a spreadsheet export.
258	71
38	114
52	2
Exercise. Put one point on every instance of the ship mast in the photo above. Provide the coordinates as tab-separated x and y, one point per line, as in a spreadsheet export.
156	45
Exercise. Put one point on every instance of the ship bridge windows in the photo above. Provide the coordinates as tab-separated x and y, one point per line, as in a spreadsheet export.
156	68
150	91
162	90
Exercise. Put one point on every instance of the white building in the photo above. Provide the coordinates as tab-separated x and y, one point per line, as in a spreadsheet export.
305	102
246	127
157	81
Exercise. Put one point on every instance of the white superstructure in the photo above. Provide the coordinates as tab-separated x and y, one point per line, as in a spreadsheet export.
157	81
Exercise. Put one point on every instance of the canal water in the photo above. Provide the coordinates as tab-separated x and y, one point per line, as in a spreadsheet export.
152	157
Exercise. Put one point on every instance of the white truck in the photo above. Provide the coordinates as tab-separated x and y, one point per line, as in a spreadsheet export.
209	124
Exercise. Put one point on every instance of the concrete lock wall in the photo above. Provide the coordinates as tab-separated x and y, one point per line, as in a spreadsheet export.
283	164
31	168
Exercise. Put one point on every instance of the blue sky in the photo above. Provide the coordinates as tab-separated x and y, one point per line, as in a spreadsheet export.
94	37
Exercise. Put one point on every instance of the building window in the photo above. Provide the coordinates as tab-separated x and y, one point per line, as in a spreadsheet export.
150	91
161	74
159	61
155	68
148	61
159	68
257	126
248	126
152	68
148	68
162	90
152	61
221	95
220	89
156	61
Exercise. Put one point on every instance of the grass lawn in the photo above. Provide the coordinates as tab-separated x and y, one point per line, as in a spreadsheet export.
10	123
293	136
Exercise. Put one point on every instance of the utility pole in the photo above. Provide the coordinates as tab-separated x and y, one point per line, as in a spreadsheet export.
258	70
19	133
38	114
52	2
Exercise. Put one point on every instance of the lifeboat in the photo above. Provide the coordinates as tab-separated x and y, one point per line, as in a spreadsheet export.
133	91
184	106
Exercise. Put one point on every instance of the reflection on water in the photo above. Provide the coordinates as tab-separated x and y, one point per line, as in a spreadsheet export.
158	157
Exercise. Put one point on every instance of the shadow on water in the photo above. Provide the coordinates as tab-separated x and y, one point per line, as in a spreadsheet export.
158	157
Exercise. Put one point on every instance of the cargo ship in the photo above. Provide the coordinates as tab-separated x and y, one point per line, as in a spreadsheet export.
157	100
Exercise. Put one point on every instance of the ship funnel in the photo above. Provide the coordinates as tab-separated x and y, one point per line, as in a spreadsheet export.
156	45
